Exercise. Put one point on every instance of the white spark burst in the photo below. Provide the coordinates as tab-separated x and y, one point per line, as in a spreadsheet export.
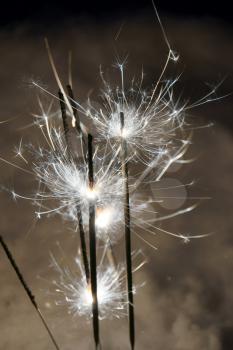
76	292
149	127
64	185
155	131
151	121
67	181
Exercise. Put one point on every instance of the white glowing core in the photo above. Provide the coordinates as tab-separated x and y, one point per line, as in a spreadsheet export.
101	295
91	193
103	217
88	296
125	133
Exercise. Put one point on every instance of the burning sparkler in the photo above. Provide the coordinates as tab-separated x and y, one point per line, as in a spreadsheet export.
93	187
72	289
76	292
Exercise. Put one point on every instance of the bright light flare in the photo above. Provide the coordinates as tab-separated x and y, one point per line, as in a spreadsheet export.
76	293
104	217
62	179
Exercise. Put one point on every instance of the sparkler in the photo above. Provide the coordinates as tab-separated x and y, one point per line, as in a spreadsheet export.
106	203
78	207
75	292
77	119
154	136
27	290
93	189
92	242
127	235
74	289
91	297
64	116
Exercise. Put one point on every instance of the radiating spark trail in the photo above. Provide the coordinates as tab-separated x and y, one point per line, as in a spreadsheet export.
16	166
76	292
19	151
94	191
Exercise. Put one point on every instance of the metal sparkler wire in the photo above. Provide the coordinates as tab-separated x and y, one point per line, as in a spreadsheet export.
134	124
78	207
127	236
77	121
92	242
27	290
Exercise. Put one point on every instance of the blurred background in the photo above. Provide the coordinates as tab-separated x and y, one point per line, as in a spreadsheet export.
187	299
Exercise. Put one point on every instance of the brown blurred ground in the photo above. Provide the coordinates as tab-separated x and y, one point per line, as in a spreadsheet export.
187	300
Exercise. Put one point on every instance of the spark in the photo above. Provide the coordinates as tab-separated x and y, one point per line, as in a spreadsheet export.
100	191
19	151
152	121
154	129
63	180
104	217
68	182
76	292
15	166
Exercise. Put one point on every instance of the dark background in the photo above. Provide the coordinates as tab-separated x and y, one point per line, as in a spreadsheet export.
54	11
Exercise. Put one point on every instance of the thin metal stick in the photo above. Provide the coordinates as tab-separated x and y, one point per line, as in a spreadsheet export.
83	243
64	115
70	68
77	120
27	290
127	236
75	112
92	242
78	208
110	254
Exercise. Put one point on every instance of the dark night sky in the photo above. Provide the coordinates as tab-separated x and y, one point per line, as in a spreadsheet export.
56	10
